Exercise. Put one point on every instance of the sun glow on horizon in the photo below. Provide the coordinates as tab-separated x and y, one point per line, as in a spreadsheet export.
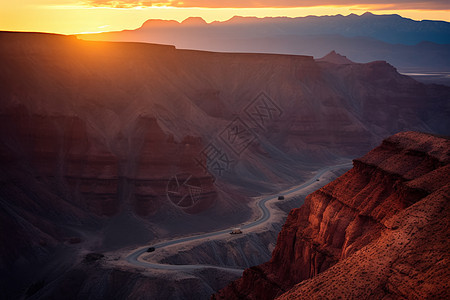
72	17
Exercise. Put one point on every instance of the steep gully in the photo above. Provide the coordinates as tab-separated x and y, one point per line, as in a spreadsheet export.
134	257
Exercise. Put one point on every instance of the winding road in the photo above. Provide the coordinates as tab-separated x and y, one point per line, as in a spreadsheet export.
133	258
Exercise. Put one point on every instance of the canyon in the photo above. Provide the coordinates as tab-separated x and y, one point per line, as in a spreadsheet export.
106	146
380	231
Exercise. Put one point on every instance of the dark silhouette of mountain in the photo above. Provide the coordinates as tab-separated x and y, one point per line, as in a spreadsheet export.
336	58
402	42
392	29
194	21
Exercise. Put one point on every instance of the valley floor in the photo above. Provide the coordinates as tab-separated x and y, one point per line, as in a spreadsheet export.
222	255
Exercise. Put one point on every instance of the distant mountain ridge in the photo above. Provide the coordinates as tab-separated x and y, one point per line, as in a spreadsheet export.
392	29
402	42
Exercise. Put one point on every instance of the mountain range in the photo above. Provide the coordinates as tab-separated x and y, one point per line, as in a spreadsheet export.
404	43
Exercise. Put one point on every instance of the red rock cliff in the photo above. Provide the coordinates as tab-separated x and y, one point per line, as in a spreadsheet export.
63	151
381	230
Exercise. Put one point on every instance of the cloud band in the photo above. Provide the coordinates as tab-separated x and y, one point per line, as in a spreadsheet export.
407	4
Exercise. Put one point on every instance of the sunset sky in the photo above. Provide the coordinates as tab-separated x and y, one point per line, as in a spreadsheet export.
77	16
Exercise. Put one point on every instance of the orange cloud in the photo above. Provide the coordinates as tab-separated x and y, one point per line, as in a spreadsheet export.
379	4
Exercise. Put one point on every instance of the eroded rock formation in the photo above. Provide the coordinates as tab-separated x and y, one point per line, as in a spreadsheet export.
379	231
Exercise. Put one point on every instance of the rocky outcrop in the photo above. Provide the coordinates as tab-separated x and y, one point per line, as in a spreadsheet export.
380	230
336	58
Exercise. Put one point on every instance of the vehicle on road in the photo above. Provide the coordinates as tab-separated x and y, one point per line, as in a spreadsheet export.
280	197
151	249
236	231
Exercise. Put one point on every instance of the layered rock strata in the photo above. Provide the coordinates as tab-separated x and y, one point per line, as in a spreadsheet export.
378	231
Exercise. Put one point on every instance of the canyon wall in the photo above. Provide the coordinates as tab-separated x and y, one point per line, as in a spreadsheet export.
378	231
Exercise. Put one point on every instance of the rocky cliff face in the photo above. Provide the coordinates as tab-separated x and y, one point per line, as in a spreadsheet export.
378	231
95	175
